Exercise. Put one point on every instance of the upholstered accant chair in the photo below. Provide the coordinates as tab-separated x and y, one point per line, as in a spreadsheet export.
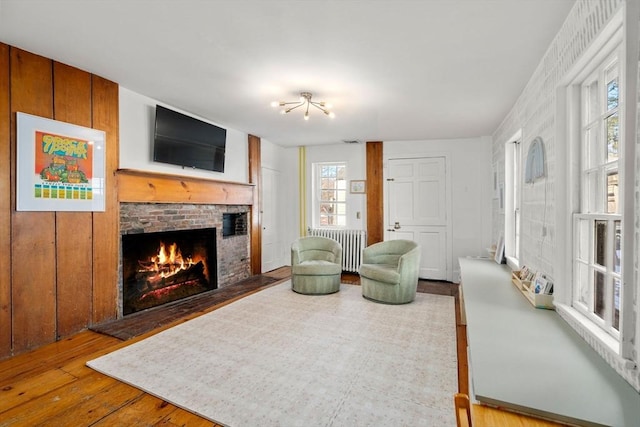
389	271
316	265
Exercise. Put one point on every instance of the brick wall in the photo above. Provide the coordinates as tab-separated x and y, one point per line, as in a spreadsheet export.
233	251
535	114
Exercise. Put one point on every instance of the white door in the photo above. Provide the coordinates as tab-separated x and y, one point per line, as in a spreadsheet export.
418	210
272	245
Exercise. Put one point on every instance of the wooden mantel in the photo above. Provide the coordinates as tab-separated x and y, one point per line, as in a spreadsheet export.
151	187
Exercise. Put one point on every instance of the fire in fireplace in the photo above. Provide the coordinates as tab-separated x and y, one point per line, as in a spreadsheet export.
161	267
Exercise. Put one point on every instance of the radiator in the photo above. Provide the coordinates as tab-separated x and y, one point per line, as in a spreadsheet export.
352	241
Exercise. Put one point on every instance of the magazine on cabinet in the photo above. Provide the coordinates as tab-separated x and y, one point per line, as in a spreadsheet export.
543	285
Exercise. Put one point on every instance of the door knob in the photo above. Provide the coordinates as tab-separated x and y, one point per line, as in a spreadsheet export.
396	225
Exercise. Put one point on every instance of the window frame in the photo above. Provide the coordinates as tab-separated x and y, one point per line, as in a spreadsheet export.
341	205
593	167
621	29
592	267
513	194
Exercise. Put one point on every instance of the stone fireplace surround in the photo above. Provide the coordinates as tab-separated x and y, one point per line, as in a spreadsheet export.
151	202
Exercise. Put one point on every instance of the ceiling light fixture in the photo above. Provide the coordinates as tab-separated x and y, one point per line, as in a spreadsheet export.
304	101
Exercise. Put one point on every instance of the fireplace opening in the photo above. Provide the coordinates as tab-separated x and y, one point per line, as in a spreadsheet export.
234	224
161	267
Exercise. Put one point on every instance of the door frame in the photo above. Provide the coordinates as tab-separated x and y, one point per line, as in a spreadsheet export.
448	197
275	216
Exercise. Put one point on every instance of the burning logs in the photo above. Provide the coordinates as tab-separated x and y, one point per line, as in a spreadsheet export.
169	275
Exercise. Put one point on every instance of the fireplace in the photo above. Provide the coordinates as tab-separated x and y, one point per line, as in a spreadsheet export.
165	266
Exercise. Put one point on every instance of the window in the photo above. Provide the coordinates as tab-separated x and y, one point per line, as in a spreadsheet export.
597	253
330	207
513	183
516	197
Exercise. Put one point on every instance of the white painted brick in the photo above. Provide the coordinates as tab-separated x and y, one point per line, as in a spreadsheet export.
534	113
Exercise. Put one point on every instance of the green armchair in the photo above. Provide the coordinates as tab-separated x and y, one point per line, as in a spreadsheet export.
316	265
389	271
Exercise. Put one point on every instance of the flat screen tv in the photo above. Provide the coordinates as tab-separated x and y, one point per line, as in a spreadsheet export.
185	141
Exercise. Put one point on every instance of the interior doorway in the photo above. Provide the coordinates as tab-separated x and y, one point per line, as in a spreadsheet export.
418	209
271	211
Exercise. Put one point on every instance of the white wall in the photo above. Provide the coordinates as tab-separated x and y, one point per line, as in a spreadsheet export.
471	186
355	157
137	121
471	189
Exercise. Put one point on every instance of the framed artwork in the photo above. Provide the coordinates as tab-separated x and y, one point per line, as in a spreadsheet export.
60	166
358	187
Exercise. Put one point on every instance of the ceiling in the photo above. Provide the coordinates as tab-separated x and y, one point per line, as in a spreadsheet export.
392	69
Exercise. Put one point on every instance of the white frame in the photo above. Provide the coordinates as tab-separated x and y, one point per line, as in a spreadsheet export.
512	197
596	199
316	188
358	186
499	255
591	266
616	353
604	60
33	193
496	192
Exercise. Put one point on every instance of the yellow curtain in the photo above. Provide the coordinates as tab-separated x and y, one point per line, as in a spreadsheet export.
302	185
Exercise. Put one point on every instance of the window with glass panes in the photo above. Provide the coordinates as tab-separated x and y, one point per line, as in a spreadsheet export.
598	225
331	194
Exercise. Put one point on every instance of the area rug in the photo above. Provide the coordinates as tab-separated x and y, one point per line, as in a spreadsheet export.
278	358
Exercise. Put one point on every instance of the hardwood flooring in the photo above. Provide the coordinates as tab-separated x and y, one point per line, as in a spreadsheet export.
52	385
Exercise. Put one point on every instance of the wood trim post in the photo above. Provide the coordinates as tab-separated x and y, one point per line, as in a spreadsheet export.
375	213
105	115
255	177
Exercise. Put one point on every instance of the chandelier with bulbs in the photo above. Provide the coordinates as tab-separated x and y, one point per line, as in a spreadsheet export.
306	102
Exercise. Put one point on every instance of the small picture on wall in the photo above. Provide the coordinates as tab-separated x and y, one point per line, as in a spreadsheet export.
358	186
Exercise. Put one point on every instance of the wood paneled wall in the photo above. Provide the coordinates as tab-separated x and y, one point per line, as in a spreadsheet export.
58	270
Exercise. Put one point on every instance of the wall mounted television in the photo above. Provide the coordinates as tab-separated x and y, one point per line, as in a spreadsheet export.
188	142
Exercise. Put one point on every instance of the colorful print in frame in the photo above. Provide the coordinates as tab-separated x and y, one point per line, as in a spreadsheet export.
61	166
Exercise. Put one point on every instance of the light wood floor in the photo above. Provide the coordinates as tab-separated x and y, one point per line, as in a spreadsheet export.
52	386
